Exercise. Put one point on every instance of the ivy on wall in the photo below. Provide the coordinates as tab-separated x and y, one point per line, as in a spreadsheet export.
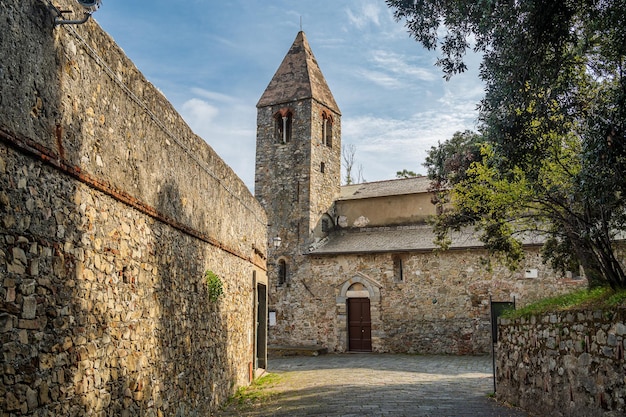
214	285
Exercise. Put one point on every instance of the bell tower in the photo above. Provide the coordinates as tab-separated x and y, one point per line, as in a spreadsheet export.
298	160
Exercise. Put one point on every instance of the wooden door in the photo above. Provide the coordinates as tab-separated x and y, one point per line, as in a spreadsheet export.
261	329
359	325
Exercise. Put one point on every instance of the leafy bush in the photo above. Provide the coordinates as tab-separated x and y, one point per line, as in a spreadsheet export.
214	285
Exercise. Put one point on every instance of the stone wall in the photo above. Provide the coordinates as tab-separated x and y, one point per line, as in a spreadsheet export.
441	306
564	364
111	211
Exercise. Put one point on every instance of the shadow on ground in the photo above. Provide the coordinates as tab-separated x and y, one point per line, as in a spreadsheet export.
378	385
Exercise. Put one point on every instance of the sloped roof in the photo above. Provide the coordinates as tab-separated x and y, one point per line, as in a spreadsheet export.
399	239
414	185
298	78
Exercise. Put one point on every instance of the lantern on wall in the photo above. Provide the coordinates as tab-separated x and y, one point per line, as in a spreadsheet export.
90	6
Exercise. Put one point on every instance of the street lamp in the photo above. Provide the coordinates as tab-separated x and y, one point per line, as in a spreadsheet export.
89	6
276	241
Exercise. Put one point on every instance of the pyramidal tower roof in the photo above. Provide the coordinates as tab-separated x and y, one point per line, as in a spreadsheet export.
298	78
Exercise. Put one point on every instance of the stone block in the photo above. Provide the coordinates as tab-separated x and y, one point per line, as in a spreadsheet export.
29	307
6	322
28	286
29	324
44	393
32	399
19	256
16	268
11	402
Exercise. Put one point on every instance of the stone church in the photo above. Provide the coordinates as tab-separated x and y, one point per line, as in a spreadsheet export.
354	267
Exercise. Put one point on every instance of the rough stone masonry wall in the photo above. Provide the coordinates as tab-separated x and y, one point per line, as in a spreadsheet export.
111	209
564	364
441	307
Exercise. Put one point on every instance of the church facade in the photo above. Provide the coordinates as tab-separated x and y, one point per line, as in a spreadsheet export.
356	269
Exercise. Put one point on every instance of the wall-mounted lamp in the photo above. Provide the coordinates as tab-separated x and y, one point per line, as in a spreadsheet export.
90	7
276	241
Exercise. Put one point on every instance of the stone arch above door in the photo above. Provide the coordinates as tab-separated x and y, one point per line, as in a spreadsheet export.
371	286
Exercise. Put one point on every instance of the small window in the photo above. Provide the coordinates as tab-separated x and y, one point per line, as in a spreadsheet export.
283	121
574	270
398	269
325	225
327	129
282	272
322	167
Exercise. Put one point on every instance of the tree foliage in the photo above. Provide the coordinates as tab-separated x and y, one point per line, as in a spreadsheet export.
405	173
553	159
449	161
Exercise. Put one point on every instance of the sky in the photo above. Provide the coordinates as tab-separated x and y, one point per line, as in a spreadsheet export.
214	59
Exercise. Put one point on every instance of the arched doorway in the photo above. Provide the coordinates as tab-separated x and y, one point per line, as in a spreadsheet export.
359	325
354	303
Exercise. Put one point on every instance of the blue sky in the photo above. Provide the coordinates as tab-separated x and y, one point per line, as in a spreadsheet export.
214	59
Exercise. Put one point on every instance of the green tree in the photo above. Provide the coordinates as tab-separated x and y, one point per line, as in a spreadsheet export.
448	162
405	173
553	159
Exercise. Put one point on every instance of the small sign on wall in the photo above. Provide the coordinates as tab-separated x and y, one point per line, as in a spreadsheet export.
272	318
531	273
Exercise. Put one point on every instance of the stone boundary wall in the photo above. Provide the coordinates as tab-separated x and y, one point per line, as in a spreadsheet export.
111	209
564	364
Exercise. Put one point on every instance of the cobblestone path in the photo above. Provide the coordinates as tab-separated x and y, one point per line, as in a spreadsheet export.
361	385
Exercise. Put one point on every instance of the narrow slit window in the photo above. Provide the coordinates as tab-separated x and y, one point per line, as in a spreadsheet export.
282	272
327	129
398	269
329	133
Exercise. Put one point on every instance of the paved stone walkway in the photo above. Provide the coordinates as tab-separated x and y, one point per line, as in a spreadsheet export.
361	385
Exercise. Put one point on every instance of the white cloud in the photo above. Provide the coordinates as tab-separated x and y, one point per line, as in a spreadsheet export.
380	78
387	145
462	95
198	112
400	65
396	71
212	95
368	13
229	128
